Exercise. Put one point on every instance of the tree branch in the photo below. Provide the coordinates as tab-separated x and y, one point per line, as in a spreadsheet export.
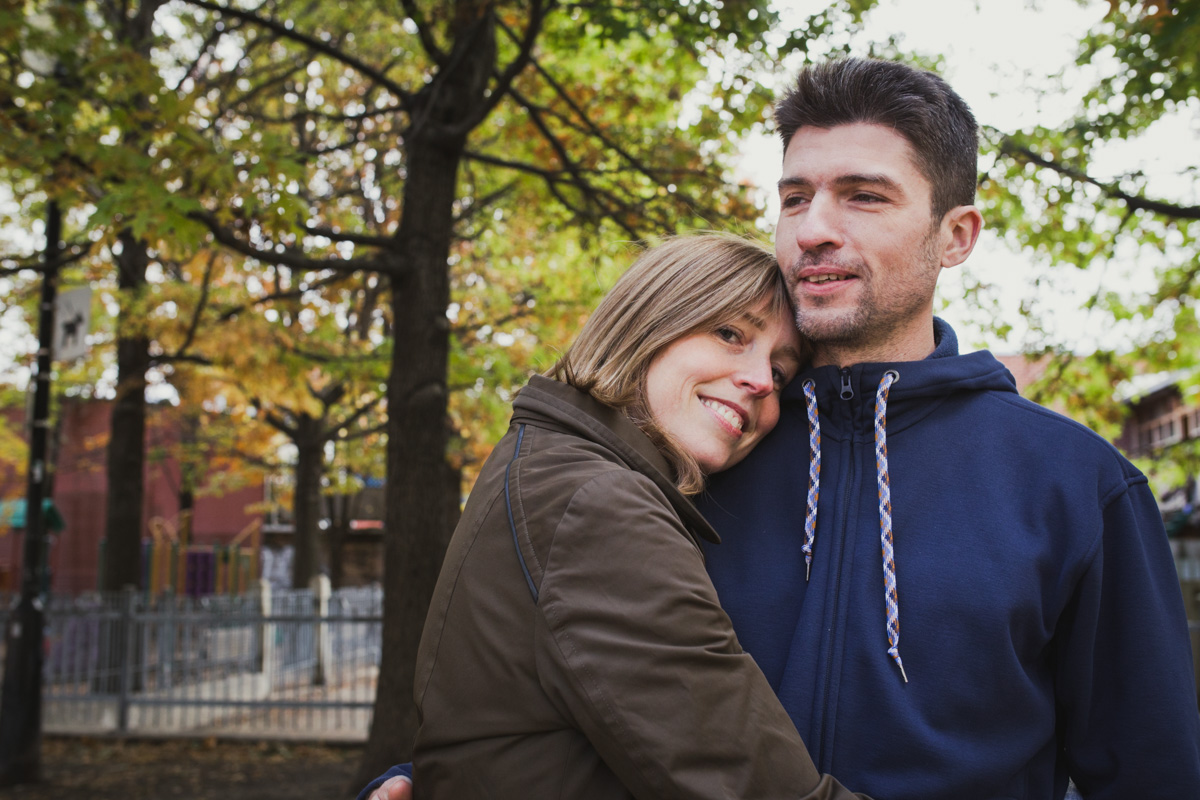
423	33
364	433
38	264
355	238
576	173
1009	147
326	358
180	358
274	420
480	204
325	48
290	294
194	325
591	127
288	259
524	57
356	415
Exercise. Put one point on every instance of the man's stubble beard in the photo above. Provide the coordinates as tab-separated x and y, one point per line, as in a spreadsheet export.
867	323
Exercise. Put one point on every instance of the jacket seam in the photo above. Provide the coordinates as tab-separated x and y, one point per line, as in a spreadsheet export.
512	524
1106	502
1029	406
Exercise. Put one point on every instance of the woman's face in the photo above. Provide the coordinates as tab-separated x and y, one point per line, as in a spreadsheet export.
716	393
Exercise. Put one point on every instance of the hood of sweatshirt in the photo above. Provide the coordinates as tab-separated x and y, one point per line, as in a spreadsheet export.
916	390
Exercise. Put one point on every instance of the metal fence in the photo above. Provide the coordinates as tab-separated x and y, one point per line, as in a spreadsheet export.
280	664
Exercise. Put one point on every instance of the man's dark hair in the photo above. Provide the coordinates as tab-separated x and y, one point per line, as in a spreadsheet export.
917	104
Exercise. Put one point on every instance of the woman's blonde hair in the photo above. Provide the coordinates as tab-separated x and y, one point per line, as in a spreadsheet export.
684	285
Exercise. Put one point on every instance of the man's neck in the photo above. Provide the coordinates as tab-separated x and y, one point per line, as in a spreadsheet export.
915	347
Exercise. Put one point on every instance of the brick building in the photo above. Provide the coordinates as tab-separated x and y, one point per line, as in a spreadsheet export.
79	493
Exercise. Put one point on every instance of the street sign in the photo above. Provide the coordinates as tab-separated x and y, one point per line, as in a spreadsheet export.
72	318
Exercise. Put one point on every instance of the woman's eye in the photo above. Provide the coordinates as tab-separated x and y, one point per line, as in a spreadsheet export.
728	334
780	376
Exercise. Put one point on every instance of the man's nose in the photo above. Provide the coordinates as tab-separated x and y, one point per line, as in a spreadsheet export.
819	226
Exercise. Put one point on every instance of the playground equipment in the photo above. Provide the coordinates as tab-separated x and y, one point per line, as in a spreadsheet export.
171	563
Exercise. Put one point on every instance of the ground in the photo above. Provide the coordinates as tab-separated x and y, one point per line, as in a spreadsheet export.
111	769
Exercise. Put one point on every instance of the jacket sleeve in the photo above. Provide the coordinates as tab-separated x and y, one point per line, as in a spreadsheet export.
1125	683
635	649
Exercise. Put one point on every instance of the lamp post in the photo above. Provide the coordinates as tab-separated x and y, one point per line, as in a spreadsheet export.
21	694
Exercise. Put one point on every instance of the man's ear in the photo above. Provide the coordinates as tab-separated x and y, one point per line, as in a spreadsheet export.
960	230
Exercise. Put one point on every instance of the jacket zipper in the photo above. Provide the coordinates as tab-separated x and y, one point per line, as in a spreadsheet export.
825	758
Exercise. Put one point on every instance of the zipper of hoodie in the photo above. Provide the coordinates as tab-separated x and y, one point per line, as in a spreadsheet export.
825	757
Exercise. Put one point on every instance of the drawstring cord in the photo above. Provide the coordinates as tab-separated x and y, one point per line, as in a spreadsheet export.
885	502
814	474
885	519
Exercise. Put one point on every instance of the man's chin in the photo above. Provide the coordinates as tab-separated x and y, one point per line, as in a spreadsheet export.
828	325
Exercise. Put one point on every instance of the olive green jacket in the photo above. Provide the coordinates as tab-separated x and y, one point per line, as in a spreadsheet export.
575	648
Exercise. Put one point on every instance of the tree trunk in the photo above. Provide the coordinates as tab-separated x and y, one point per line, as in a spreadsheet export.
341	513
418	519
122	563
306	511
127	444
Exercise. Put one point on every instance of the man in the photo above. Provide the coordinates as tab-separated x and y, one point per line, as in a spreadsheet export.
1043	636
987	603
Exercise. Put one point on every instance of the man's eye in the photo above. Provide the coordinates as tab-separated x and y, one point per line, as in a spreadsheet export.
793	200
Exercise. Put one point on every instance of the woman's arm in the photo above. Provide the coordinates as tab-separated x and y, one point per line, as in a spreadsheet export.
637	652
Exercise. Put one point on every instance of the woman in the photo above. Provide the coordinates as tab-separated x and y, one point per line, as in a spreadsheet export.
574	646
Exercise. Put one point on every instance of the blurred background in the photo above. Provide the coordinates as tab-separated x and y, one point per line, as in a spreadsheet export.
286	263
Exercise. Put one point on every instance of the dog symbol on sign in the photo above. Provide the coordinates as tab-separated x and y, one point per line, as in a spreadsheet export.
73	316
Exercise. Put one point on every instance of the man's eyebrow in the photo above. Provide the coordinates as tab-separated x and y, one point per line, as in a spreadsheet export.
844	181
867	179
794	183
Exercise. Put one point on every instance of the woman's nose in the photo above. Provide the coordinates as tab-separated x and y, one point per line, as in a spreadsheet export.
758	377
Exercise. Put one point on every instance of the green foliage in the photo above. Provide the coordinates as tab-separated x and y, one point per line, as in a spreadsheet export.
1046	192
1155	65
286	127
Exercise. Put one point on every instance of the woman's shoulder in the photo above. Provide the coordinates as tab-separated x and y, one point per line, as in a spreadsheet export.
566	465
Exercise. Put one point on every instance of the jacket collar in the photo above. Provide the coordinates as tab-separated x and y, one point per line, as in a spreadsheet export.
920	385
552	403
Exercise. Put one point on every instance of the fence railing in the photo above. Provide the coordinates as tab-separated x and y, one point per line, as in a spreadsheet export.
287	664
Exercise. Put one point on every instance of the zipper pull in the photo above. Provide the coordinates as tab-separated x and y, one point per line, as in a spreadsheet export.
847	389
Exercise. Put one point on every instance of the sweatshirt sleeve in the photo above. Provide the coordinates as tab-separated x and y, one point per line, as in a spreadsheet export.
635	649
1125	682
405	770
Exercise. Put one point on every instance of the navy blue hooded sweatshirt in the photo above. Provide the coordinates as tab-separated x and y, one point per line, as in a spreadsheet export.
1040	623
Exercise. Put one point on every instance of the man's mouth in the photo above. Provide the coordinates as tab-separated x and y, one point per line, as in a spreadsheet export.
724	412
825	278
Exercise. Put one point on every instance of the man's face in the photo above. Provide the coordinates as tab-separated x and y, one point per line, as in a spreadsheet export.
857	241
